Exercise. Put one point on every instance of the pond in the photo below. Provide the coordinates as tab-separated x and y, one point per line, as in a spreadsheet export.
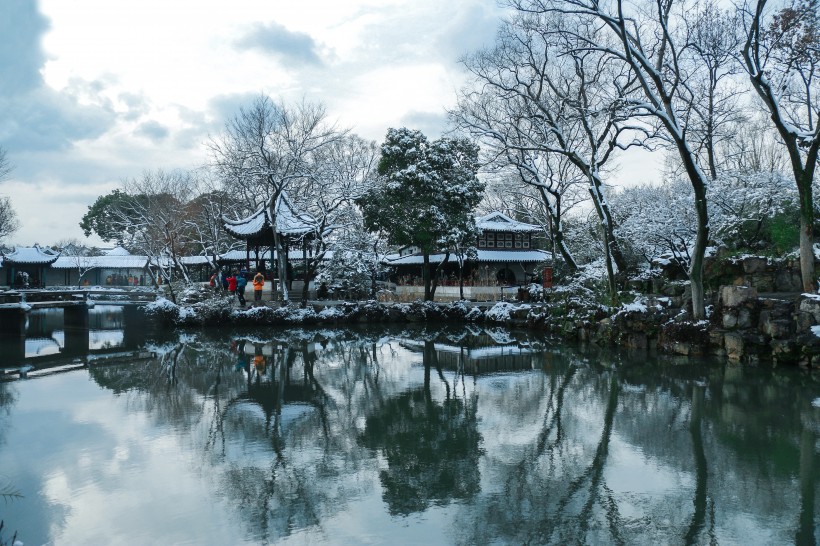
464	435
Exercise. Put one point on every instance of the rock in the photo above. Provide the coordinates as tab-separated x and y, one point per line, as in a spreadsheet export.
386	296
729	319
733	342
733	296
754	264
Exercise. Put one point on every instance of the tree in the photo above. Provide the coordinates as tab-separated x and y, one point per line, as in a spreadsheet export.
81	258
104	217
204	216
267	149
540	93
781	55
655	42
9	223
5	165
340	173
427	194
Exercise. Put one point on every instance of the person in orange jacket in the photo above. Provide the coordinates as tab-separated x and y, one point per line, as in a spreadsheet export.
258	285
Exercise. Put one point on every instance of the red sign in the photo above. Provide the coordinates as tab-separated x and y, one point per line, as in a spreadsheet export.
547	277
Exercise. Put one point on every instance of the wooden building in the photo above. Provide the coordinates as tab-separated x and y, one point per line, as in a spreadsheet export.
26	266
506	256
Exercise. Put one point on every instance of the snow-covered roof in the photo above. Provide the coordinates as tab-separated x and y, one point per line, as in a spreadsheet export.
118	251
288	221
195	260
509	256
31	255
497	221
239	255
101	262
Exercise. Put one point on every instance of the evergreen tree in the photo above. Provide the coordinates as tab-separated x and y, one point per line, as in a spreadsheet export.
427	192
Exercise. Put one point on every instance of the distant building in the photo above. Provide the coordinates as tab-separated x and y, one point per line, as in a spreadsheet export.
506	256
26	266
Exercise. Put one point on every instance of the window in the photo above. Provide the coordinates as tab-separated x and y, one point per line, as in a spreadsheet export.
509	237
518	243
482	243
508	244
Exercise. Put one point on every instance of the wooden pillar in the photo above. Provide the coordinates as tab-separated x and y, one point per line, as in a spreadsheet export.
75	326
134	325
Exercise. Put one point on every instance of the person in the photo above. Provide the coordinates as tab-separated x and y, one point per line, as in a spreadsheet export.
231	283
241	283
258	285
224	279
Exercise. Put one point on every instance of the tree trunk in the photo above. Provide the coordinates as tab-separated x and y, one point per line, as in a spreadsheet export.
701	240
281	265
425	274
804	185
461	278
557	232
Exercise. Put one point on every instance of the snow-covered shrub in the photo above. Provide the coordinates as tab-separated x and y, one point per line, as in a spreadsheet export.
500	312
163	310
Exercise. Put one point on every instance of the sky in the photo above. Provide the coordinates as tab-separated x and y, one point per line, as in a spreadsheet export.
93	92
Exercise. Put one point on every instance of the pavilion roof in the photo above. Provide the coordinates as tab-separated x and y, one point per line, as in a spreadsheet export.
31	255
289	221
107	261
498	221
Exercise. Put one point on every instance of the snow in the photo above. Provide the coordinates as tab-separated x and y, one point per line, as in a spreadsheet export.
815	330
816	402
636	307
500	312
103	262
497	221
514	256
288	221
31	255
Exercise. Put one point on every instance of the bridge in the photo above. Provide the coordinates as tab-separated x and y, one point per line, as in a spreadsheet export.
75	303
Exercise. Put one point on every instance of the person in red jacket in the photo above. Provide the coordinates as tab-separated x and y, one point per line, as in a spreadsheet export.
232	284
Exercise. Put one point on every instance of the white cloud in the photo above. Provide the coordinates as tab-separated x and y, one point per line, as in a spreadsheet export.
94	91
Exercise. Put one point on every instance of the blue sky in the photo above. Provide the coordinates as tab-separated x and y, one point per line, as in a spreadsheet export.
94	91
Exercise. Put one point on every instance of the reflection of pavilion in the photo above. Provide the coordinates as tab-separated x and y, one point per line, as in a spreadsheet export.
270	386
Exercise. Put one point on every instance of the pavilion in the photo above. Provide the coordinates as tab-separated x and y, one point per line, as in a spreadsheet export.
294	228
26	266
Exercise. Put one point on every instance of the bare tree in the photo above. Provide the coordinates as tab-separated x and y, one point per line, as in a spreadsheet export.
9	222
340	173
542	92
204	218
5	165
154	216
653	39
267	149
782	57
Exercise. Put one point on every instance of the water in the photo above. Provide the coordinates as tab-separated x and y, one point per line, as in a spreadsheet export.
407	436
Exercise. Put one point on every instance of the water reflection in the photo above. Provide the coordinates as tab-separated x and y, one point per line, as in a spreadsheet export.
454	436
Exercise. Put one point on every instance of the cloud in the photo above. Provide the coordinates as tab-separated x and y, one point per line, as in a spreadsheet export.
21	56
32	115
292	48
432	124
152	130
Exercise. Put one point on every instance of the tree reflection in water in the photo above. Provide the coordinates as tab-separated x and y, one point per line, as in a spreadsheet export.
431	447
589	447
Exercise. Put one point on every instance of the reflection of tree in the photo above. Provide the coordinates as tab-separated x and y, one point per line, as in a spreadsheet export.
432	449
